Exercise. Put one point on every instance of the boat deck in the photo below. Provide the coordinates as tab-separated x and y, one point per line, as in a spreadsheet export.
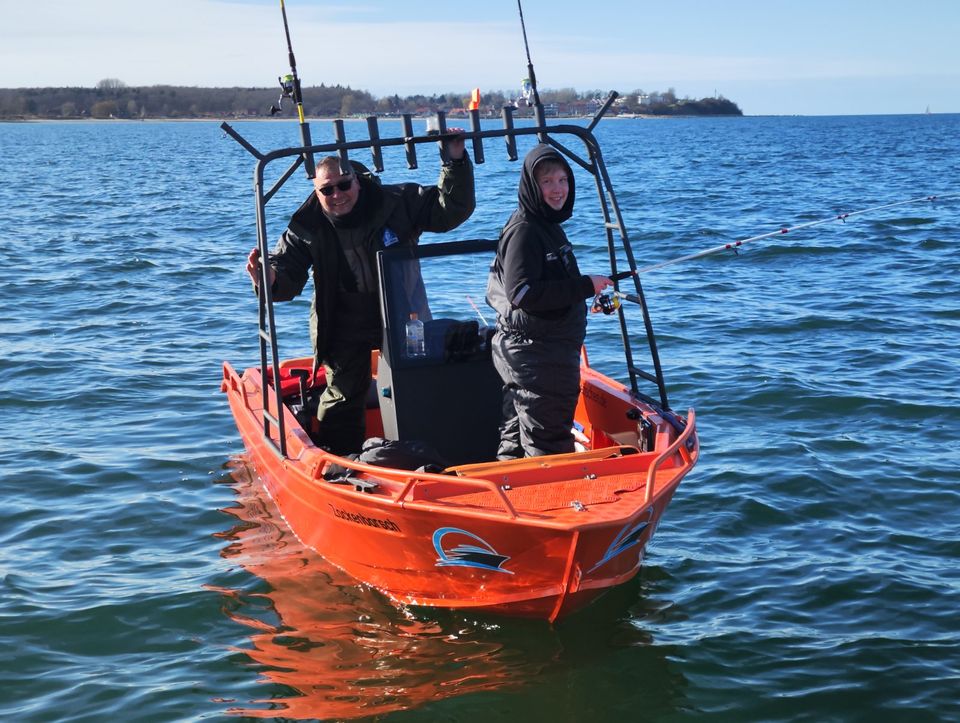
548	496
554	487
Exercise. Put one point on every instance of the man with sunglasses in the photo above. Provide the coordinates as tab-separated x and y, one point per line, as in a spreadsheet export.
336	234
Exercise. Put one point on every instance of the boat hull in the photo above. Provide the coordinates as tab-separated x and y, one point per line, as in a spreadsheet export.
536	538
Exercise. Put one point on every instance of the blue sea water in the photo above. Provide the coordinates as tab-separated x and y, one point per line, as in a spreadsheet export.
808	569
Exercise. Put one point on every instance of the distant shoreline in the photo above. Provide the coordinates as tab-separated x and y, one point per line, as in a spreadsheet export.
326	119
113	99
254	119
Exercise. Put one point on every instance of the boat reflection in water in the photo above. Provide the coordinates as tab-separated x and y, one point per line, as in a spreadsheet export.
342	649
329	647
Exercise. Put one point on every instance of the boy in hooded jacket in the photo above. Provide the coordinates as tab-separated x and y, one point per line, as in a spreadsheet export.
538	292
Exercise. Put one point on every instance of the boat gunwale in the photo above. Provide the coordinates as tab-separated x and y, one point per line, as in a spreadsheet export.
310	463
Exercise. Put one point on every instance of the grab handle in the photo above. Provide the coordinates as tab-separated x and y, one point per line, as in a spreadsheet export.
485	483
679	444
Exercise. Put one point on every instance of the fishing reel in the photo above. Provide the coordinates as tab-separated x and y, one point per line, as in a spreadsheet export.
526	91
287	88
606	302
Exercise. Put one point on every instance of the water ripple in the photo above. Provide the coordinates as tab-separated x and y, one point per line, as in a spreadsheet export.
807	569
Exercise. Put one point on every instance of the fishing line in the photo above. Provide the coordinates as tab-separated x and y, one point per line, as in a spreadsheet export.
841	217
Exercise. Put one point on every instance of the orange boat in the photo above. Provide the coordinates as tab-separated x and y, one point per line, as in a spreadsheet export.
539	537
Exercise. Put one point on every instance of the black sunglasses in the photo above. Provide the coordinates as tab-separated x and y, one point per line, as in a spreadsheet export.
343	185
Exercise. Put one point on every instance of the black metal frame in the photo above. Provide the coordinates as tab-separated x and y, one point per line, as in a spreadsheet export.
612	220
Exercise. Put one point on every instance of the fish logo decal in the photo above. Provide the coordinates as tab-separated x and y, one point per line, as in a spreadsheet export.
454	551
627	537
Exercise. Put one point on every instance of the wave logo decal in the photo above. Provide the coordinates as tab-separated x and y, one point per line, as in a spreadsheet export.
459	548
628	537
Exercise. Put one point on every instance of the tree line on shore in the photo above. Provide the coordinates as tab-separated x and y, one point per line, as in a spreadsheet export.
112	98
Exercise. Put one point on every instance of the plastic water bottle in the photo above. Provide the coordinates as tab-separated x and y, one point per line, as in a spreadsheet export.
416	349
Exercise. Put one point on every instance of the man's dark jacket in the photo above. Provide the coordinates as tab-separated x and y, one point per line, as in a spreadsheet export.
385	215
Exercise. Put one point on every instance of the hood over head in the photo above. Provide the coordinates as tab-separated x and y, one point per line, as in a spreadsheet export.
531	200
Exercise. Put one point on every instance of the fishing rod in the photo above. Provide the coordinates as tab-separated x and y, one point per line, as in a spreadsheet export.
841	217
608	301
483	319
531	75
531	79
290	88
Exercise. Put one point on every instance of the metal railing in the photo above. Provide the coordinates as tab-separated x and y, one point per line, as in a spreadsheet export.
375	143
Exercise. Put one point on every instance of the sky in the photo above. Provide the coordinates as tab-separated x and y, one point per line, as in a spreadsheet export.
771	57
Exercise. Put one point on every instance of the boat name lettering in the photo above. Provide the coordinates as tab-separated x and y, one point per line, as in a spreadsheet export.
364	520
594	395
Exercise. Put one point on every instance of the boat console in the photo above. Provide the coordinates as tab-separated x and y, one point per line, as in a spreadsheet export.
448	397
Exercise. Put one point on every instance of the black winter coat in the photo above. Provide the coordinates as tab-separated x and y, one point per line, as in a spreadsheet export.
394	214
535	284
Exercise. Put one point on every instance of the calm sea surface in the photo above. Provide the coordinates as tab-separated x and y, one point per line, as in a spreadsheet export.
808	569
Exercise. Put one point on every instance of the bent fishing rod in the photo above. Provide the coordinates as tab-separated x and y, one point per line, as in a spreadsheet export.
608	302
733	246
